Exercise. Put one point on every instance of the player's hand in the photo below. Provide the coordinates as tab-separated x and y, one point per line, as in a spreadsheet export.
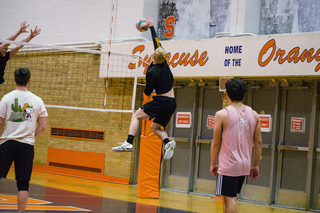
254	173
23	27
35	32
149	21
214	170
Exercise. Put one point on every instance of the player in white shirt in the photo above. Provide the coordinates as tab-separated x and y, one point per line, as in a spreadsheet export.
24	116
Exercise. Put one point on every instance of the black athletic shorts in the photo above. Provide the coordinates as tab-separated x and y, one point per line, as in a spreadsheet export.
161	108
229	186
21	154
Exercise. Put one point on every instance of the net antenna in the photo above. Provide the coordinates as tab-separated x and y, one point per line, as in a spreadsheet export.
73	78
109	53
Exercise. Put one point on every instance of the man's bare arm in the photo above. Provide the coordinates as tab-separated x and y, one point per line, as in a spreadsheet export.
257	150
219	120
42	125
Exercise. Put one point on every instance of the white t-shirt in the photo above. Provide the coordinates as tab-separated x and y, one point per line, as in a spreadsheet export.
21	110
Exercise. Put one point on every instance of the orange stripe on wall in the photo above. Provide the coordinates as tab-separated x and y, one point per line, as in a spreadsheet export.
78	158
81	174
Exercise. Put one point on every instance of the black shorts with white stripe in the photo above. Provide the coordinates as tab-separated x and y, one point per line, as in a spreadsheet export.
229	186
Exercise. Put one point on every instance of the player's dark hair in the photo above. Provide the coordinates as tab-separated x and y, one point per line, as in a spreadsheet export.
236	89
22	76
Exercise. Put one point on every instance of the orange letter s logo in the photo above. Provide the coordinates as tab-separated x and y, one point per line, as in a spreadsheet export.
170	20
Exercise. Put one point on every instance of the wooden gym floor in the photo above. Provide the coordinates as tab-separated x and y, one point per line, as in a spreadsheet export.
56	193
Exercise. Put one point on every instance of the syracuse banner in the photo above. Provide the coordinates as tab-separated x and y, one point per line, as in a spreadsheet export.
268	55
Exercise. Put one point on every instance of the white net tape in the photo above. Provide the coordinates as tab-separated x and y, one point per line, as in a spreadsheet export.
76	78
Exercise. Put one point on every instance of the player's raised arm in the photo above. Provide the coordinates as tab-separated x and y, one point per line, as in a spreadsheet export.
23	29
33	33
156	42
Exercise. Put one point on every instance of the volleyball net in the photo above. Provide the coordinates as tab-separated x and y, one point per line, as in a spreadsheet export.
76	78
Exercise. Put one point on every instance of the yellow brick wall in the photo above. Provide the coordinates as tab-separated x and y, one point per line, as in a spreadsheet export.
73	80
116	164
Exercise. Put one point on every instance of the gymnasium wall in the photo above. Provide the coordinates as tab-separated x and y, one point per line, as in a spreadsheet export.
76	21
115	126
46	83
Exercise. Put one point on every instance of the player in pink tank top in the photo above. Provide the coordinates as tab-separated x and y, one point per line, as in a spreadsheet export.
236	131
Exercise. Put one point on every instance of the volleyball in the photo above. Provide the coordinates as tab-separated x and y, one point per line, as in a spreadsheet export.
142	25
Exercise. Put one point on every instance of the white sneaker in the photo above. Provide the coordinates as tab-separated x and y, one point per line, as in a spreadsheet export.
168	150
124	147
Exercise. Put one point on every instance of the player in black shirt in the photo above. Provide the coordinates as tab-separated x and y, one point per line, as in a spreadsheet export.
5	55
159	78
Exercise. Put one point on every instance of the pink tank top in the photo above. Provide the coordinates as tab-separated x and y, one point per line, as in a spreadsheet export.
237	141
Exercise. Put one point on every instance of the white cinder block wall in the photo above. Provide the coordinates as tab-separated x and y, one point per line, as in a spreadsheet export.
76	21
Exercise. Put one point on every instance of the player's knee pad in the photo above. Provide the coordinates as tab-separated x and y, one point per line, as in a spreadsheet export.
23	185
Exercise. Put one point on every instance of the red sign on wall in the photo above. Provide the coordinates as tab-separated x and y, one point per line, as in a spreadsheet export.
265	122
183	120
210	122
297	124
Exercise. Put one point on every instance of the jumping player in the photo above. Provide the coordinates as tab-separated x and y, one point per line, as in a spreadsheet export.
163	105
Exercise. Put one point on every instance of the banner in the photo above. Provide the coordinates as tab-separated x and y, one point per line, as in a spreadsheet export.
262	56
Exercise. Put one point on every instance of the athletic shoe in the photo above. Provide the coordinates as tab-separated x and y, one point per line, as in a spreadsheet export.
124	147
168	150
